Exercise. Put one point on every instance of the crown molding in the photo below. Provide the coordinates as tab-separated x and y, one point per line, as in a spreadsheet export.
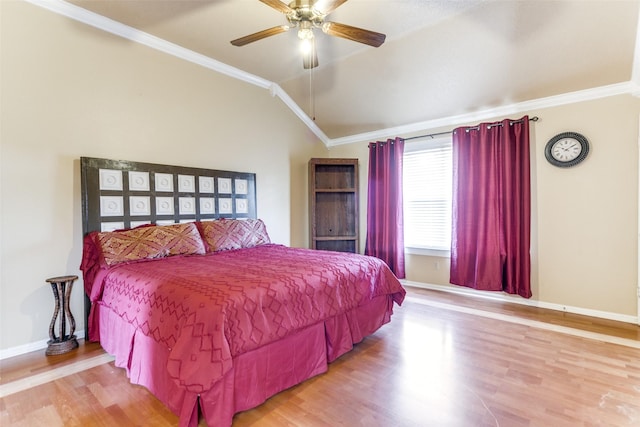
521	107
276	90
117	28
106	24
114	27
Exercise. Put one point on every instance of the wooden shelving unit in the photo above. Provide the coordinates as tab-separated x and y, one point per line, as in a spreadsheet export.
333	204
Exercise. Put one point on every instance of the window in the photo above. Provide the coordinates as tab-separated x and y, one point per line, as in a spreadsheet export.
427	196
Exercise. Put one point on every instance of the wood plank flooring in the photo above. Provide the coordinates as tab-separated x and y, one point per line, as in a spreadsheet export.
444	360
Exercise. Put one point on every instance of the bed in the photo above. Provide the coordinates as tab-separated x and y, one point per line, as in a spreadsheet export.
198	305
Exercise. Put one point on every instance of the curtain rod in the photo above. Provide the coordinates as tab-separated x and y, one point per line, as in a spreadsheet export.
432	135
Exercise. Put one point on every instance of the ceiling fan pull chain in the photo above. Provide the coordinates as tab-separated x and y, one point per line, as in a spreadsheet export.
312	92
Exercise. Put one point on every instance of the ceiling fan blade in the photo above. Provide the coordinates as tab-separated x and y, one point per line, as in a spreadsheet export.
260	35
353	33
310	59
278	5
327	6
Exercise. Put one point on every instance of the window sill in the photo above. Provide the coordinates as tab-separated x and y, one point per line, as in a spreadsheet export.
443	253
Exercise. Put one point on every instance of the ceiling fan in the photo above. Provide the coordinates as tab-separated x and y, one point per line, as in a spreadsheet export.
305	15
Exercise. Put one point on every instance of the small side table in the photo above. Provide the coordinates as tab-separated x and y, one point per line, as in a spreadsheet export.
61	287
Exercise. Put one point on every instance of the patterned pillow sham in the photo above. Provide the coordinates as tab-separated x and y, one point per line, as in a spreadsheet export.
226	234
150	242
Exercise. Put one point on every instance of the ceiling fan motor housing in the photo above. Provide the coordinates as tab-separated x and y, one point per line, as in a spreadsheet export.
303	14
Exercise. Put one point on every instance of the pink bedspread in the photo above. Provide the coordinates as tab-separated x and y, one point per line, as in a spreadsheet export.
208	309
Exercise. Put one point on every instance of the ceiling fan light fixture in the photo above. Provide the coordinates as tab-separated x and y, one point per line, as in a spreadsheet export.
306	45
305	34
305	15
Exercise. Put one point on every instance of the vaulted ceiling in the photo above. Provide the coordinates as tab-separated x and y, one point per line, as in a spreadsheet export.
440	58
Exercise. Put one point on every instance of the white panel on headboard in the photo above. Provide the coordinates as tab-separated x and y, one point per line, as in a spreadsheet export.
111	206
140	205
186	183
139	181
110	179
121	194
164	182
206	185
224	185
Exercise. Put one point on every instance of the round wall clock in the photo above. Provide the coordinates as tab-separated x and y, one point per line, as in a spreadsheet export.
566	149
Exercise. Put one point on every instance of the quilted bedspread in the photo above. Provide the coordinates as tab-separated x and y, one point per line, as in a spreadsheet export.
209	308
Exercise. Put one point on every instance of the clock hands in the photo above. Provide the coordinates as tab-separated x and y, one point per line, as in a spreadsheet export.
566	149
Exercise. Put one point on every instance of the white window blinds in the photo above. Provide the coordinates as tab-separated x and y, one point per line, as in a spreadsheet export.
427	195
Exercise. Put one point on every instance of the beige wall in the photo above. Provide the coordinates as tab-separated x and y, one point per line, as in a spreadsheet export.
584	219
69	90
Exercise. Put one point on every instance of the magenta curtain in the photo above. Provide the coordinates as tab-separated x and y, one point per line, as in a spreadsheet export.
385	230
492	207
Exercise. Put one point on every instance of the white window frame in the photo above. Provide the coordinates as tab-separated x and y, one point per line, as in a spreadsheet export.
414	146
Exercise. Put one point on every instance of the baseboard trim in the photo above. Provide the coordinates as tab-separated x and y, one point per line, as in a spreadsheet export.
502	297
41	345
28	348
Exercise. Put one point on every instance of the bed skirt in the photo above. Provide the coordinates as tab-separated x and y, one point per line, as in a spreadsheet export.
255	375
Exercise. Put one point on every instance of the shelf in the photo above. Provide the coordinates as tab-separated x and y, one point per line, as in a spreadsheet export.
328	238
338	245
335	190
333	204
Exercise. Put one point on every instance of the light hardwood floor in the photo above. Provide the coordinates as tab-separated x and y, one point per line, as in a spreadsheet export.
444	360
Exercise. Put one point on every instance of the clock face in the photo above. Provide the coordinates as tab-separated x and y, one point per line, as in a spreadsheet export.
566	149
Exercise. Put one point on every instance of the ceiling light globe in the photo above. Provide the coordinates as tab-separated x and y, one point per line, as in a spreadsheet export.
306	46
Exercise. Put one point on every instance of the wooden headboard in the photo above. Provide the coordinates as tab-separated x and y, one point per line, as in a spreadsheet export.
120	194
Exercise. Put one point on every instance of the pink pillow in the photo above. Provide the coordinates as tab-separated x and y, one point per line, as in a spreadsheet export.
150	242
225	234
